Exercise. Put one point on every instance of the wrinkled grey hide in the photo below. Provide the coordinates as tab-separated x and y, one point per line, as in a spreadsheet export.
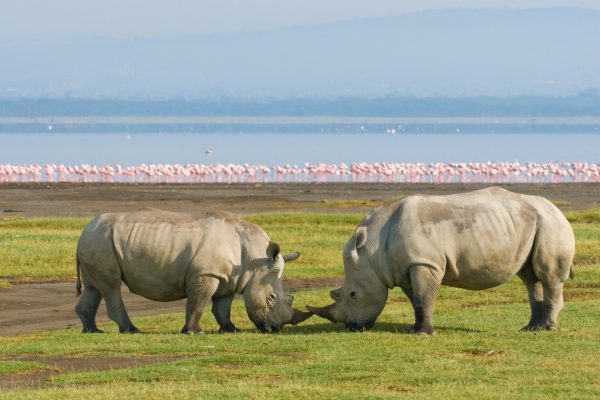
165	256
474	240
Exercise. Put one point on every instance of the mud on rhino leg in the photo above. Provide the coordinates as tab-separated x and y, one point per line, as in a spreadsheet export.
221	309
87	307
425	284
199	292
115	308
536	298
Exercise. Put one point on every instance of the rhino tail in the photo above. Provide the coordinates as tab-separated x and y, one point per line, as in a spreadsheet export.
78	285
571	272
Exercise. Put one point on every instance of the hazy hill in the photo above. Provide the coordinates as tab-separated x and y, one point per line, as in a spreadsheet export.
497	52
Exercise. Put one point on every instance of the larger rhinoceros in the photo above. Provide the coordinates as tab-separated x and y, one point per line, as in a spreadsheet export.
167	256
475	240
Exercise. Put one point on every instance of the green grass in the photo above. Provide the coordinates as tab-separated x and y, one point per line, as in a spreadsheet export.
478	351
319	237
10	367
39	248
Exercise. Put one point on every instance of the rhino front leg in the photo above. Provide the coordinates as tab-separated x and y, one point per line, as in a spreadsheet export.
424	288
221	309
115	308
199	292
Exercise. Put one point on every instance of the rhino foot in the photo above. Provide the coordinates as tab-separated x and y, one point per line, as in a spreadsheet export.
92	330
131	329
228	329
193	332
539	327
421	330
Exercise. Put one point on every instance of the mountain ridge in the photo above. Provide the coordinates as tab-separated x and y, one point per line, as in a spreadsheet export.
452	52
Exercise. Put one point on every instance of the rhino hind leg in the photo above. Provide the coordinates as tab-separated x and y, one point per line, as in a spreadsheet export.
199	292
115	308
87	307
536	299
221	309
553	303
424	288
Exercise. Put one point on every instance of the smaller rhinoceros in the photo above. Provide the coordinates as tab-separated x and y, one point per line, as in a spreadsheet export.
165	256
475	240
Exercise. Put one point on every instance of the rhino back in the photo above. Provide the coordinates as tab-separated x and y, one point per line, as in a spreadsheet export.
479	239
158	251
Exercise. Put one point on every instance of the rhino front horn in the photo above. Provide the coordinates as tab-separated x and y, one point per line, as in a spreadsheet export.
324	312
299	316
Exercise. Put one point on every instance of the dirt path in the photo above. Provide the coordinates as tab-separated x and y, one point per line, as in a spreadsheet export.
34	307
61	365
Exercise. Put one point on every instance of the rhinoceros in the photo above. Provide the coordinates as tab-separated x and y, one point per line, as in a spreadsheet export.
166	256
475	240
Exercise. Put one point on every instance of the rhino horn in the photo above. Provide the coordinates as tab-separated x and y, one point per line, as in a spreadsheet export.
299	316
291	257
324	312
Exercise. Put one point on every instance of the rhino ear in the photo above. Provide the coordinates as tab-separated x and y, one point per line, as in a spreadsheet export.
274	253
361	237
273	250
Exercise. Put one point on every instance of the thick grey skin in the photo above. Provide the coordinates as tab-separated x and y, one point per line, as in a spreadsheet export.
166	256
475	240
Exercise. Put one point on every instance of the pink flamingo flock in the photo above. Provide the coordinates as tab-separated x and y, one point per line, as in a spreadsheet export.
489	172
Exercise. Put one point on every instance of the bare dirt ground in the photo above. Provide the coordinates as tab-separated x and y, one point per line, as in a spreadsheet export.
61	365
90	199
30	307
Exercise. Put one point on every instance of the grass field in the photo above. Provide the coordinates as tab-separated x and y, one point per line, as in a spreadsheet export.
44	248
478	350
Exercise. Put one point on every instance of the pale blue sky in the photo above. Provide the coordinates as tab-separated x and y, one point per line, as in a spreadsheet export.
49	19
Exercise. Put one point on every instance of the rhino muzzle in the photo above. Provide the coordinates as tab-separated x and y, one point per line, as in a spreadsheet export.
269	327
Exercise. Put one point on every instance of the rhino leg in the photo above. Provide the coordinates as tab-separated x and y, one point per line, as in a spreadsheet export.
425	285
553	303
536	298
87	307
199	292
115	308
221	309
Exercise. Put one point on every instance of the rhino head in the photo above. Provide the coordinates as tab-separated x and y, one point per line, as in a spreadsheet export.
362	297
267	305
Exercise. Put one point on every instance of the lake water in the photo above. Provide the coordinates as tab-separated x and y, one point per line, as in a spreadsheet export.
292	148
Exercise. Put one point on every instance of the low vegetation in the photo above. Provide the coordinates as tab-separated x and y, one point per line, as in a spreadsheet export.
478	350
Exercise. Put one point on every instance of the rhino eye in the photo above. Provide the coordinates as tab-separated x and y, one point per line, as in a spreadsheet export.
352	294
